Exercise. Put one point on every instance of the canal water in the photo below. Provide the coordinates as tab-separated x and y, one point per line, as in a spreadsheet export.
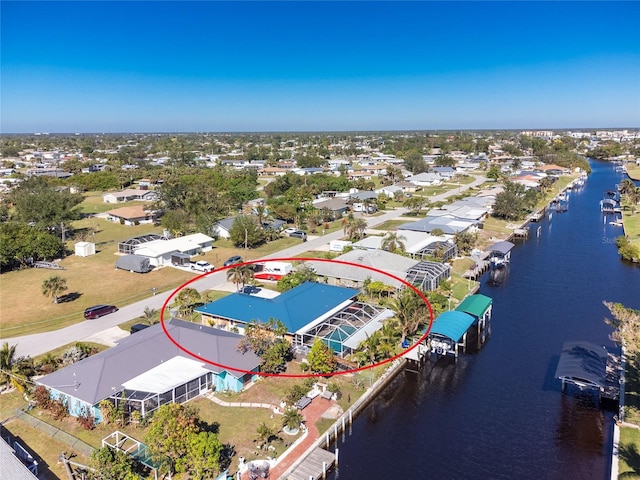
498	412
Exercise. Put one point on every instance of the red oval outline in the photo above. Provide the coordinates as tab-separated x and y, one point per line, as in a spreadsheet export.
291	375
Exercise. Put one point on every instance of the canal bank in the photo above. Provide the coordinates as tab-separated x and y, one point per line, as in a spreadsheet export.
499	412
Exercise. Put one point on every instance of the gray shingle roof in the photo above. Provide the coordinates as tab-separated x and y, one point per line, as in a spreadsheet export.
380	259
99	376
10	466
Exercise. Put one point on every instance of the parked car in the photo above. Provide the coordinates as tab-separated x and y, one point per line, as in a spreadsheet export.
299	234
202	266
98	311
289	231
250	289
136	327
233	260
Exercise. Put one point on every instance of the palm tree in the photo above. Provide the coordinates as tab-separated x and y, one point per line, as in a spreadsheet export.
292	418
406	306
149	315
394	242
241	274
264	433
186	301
7	359
634	196
369	348
354	227
14	371
389	336
545	184
627	187
53	286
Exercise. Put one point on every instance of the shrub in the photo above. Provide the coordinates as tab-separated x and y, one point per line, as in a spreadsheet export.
58	409
42	397
295	393
86	419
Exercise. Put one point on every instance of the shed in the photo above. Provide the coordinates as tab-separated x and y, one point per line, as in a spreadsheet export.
84	249
134	263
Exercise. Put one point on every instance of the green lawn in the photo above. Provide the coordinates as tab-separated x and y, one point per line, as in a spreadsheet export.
633	171
390	225
629	453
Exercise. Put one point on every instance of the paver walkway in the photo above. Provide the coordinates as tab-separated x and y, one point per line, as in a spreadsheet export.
312	413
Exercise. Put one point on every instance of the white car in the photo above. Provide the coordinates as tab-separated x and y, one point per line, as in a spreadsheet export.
202	266
289	231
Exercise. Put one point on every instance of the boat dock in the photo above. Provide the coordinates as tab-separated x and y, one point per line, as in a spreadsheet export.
314	466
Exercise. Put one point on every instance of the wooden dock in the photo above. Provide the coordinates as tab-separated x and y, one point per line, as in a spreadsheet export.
317	464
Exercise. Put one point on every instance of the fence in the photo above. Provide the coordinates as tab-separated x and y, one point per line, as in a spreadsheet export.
56	433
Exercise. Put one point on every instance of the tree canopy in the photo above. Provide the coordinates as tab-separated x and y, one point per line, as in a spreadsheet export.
514	202
176	435
37	201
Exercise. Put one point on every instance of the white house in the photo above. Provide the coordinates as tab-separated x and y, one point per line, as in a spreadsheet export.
425	179
159	251
129	195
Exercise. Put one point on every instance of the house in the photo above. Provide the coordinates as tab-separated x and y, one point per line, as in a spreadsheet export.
445	172
422	274
273	171
425	179
448	225
48	172
362	195
337	206
390	190
459	210
309	311
146	370
11	466
222	228
133	215
555	170
159	251
418	245
129	195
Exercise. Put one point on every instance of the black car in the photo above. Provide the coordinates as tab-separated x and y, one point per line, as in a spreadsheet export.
233	260
299	234
250	289
98	311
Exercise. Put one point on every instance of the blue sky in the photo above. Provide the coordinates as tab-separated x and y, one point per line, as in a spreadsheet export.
316	66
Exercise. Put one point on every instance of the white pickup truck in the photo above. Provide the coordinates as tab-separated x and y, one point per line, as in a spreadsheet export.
202	266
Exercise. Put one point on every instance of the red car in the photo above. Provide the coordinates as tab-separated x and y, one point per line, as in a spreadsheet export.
98	311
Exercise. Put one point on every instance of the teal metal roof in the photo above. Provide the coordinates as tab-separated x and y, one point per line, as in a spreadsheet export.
296	308
475	305
452	324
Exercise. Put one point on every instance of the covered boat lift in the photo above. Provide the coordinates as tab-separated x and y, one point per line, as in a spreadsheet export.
479	307
449	333
584	365
500	253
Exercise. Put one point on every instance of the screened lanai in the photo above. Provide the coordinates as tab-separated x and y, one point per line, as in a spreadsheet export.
427	275
344	330
176	380
128	246
442	250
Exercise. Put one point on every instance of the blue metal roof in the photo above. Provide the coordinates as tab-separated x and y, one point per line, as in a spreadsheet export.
452	324
296	308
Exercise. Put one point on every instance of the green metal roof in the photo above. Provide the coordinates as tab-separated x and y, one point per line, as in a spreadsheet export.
452	324
475	305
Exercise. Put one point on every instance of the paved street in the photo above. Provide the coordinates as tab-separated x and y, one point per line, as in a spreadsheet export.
101	330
